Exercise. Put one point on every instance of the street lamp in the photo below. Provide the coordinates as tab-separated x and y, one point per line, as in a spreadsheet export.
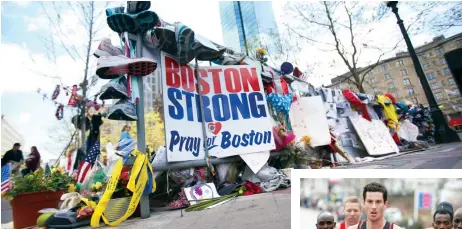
443	133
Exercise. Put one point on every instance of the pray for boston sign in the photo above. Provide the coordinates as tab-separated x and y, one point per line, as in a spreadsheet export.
234	107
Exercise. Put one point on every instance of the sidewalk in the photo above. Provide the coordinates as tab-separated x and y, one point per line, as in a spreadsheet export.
264	211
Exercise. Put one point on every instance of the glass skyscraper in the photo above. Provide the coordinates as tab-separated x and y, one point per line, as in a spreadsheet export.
248	21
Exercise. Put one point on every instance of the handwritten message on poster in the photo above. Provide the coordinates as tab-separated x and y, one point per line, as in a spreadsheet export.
235	111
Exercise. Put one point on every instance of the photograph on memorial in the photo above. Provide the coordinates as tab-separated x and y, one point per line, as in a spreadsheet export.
380	203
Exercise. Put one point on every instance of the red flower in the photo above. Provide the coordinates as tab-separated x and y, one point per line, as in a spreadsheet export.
124	176
124	182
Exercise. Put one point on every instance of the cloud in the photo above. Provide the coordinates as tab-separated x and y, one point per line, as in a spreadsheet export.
32	27
24	71
24	117
22	3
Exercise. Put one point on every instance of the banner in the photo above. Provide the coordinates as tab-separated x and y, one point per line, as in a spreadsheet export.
235	111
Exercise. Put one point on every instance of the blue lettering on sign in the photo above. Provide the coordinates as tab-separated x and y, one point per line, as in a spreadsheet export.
189	144
218	107
252	138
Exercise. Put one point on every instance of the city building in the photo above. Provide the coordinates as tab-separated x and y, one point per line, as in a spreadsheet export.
10	135
397	76
249	21
152	90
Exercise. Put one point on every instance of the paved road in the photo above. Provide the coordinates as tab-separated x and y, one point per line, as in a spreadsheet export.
448	156
263	211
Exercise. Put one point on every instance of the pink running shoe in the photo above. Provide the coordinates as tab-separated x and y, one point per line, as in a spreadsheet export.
110	67
106	48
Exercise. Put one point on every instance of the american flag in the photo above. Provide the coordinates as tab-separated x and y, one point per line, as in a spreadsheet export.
7	182
88	162
299	74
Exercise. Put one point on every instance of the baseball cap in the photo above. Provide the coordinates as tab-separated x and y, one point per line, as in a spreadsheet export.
447	206
17	144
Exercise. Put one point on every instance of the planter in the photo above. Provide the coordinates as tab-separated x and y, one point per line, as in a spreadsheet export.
26	206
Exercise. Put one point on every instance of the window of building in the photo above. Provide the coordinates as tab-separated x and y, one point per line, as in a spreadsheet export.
439	96
387	76
384	67
372	80
459	43
407	82
435	85
451	81
415	100
425	66
430	76
446	71
439	51
410	91
442	61
400	63
376	90
403	72
395	94
391	85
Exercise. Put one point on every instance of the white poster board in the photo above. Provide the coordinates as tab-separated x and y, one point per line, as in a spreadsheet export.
235	111
375	136
308	118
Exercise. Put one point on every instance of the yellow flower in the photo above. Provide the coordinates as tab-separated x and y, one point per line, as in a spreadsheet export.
98	185
71	188
53	170
36	172
306	139
261	51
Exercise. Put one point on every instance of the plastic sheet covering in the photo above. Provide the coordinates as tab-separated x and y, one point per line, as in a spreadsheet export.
272	179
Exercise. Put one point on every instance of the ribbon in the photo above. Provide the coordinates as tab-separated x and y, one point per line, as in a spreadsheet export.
209	165
140	169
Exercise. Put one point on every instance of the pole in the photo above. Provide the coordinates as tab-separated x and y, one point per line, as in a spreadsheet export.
243	29
201	107
141	138
442	134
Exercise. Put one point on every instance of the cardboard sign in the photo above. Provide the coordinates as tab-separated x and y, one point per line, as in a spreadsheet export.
375	136
308	118
235	111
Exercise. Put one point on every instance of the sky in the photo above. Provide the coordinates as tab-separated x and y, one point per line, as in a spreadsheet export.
26	58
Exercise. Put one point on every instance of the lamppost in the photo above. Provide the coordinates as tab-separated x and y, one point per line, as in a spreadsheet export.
443	133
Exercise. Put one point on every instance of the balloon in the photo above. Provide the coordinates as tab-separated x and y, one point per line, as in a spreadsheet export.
287	68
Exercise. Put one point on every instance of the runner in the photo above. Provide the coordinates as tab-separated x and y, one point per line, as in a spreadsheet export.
375	203
352	210
442	219
458	219
325	220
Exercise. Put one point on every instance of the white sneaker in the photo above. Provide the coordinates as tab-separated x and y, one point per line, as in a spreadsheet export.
110	67
106	48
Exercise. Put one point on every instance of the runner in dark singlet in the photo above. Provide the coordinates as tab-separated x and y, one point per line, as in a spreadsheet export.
375	202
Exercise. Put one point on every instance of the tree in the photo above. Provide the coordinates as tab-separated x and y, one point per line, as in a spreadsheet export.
437	16
348	26
280	48
76	41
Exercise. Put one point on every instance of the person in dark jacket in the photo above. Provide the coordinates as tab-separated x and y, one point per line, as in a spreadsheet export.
15	157
32	161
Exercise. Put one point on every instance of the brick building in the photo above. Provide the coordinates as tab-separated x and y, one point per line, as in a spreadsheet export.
397	76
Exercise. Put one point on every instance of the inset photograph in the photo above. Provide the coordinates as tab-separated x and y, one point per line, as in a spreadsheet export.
380	203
